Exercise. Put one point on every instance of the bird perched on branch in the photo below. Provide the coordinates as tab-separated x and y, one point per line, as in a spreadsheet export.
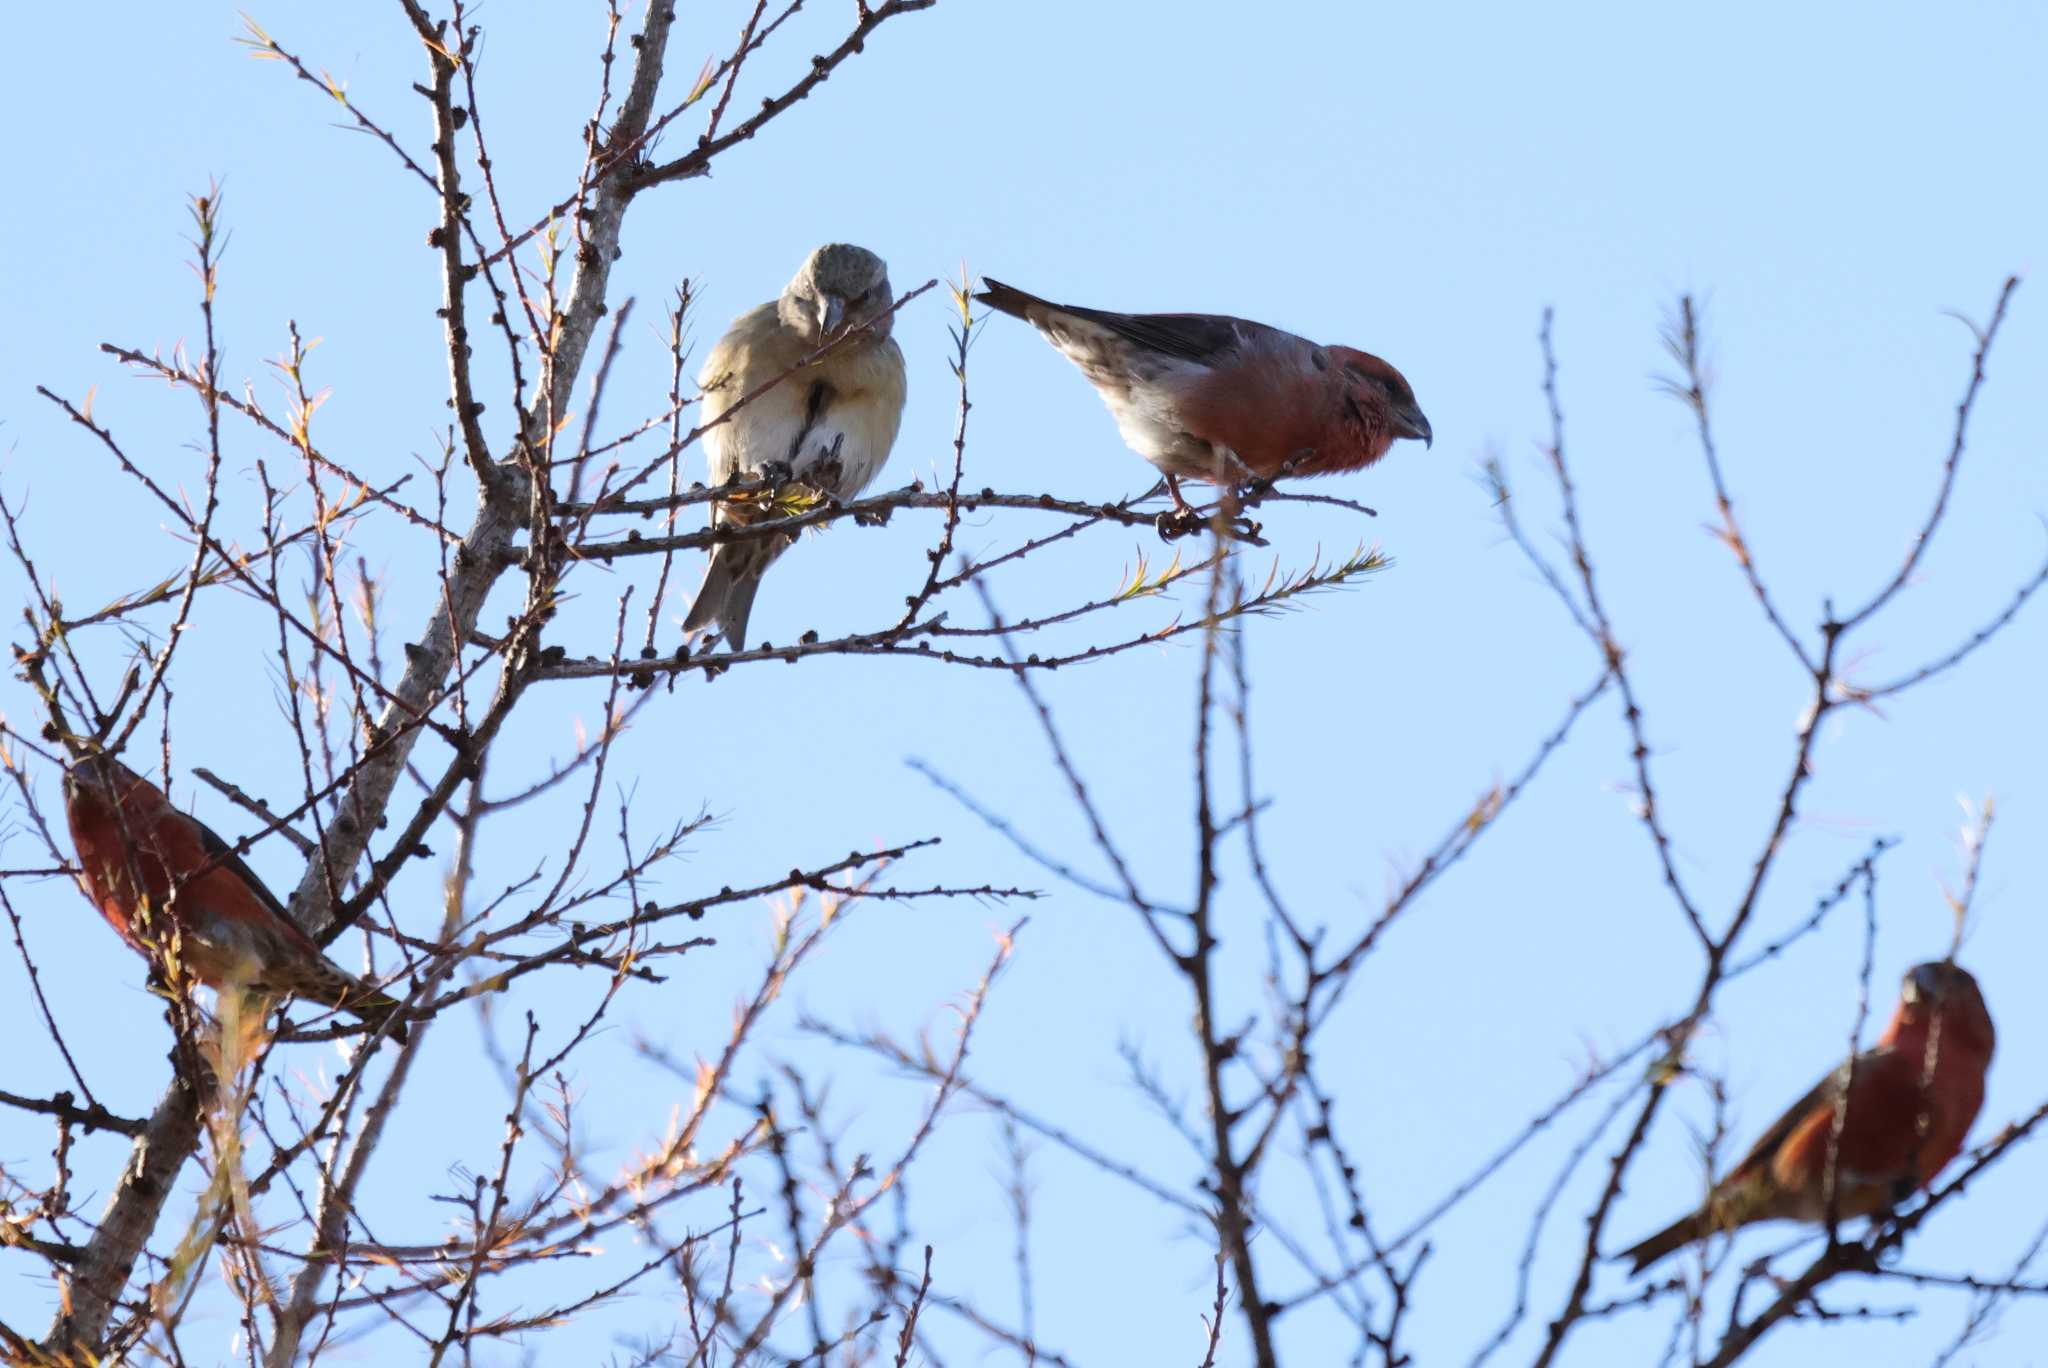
179	895
1910	1101
1208	397
826	426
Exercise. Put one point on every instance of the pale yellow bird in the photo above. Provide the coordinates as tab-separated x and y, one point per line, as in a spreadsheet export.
828	425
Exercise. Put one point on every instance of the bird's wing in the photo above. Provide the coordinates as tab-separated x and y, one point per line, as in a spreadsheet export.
233	879
1205	339
1819	1100
1896	1126
222	855
1202	338
753	351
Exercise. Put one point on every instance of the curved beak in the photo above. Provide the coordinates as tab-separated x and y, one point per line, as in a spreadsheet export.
1928	980
831	313
1409	422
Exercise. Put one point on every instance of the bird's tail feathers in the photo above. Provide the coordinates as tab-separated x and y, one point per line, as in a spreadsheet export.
710	601
1680	1233
1007	298
739	606
727	595
373	1007
331	986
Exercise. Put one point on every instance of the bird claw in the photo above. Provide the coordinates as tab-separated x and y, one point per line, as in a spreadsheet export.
827	472
1175	523
1251	491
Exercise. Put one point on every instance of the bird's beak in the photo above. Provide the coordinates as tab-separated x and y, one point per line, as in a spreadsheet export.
831	313
1927	979
1409	422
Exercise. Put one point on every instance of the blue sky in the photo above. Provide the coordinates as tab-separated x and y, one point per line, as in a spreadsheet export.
1420	183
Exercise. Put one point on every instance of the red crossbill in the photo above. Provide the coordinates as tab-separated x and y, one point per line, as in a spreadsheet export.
1911	1100
828	425
1203	396
175	891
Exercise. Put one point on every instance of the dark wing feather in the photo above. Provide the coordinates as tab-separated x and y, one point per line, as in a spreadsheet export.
1204	338
1191	337
224	855
1822	1094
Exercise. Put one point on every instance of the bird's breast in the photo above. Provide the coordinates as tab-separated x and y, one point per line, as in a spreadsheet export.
1272	413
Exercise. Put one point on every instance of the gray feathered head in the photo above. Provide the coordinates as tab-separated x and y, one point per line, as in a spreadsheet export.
840	286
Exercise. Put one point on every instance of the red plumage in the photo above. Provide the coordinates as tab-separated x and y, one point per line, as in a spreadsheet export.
173	890
1209	397
1911	1100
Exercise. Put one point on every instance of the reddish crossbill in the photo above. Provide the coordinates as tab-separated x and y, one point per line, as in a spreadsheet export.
177	893
1911	1100
1204	396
